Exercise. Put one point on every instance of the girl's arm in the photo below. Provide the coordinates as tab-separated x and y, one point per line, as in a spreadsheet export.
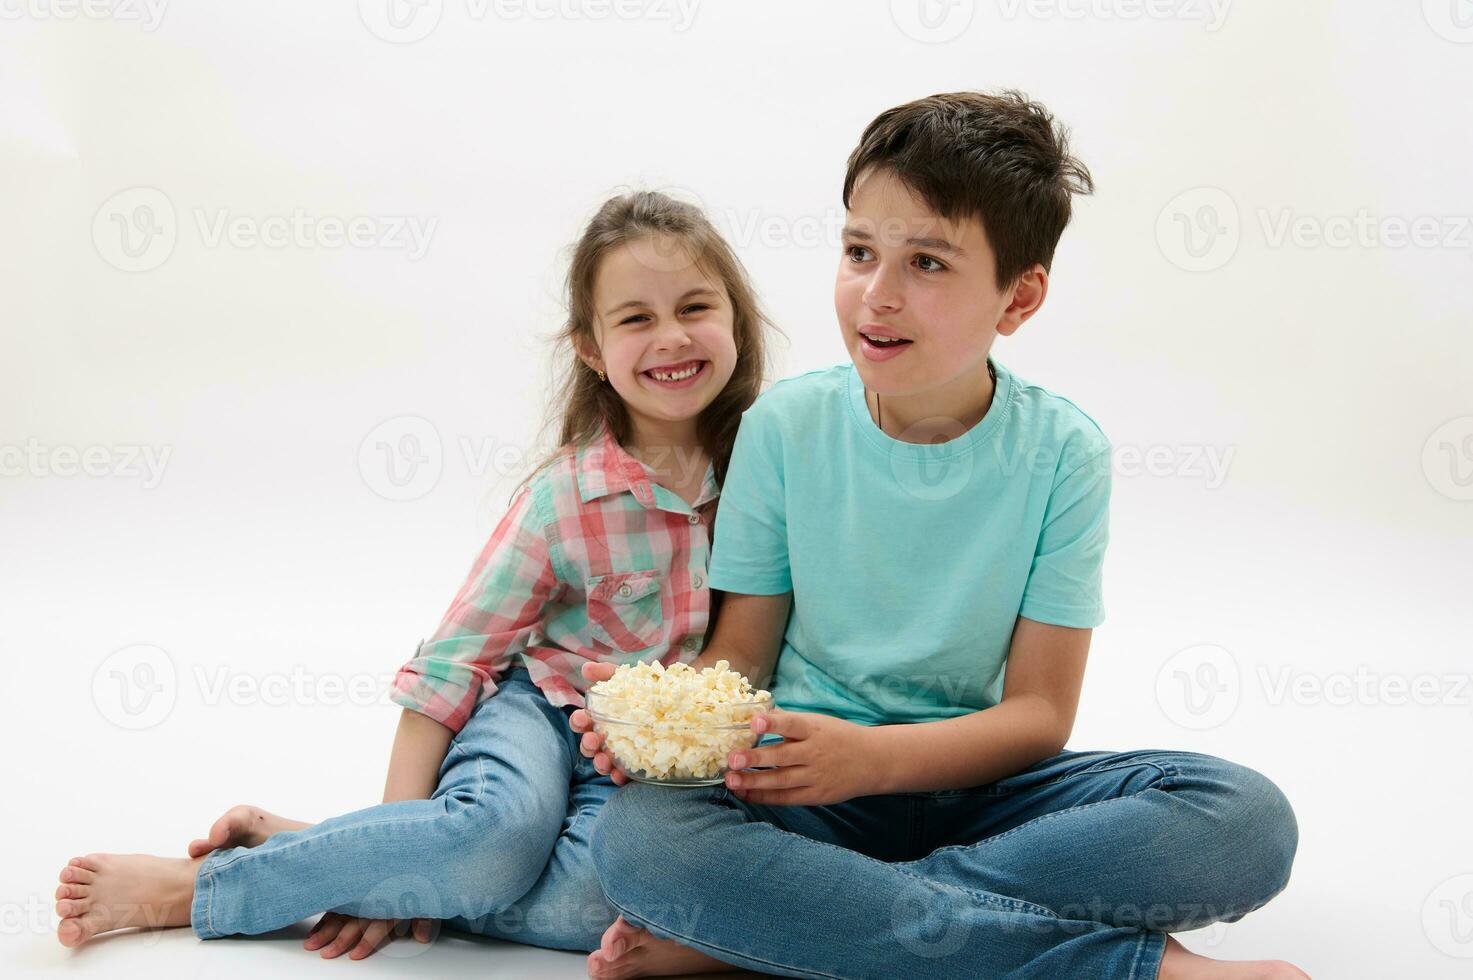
414	765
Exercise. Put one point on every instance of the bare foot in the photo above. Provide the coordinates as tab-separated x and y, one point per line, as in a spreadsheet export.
1180	963
102	892
629	951
242	826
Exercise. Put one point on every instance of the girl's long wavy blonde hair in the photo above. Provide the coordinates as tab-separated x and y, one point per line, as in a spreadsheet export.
581	404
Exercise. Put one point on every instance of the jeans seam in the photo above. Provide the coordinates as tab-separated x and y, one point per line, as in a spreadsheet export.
692	941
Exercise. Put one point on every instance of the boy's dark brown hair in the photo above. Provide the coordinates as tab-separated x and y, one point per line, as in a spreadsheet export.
999	158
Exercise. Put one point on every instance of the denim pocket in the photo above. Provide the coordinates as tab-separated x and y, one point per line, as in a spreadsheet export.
625	609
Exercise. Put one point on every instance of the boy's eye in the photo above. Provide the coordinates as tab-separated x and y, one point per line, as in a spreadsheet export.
852	249
936	265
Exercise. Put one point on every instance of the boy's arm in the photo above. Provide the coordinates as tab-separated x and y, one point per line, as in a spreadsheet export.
1045	671
748	635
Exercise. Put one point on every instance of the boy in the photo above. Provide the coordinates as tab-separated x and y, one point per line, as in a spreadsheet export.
920	535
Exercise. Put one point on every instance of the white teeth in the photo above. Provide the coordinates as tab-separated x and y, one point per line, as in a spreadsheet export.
677	376
881	340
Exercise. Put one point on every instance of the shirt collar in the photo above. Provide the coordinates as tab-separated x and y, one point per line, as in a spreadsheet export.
604	467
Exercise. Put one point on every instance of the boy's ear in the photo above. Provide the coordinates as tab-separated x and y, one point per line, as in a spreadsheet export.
1028	296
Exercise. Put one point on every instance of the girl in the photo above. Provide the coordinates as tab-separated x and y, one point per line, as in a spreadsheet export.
601	557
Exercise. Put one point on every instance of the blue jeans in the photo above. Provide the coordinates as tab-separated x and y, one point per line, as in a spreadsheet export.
1076	867
500	849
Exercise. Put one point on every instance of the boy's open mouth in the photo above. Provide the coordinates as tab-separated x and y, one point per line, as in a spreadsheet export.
880	347
681	375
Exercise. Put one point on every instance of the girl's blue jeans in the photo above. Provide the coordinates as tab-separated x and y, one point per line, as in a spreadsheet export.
500	849
1076	867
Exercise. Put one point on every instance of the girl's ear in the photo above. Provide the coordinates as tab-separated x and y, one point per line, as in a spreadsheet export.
588	353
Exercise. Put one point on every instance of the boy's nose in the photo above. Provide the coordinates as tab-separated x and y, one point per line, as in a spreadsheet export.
882	292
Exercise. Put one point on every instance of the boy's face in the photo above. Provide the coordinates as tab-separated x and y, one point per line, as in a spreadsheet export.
657	315
907	273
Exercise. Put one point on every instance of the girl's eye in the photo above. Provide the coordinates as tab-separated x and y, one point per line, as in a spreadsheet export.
850	250
695	306
938	267
637	316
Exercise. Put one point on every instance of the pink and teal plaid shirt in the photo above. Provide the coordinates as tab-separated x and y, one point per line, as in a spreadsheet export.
593	561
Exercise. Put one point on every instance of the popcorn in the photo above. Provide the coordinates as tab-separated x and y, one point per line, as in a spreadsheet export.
675	724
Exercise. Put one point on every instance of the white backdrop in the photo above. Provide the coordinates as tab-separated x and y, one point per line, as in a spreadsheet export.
246	247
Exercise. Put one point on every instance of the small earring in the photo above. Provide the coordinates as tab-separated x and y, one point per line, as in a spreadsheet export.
601	375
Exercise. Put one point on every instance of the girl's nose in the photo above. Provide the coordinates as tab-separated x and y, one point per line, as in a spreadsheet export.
671	334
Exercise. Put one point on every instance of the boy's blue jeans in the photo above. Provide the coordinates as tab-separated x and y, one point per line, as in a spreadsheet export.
500	849
1076	867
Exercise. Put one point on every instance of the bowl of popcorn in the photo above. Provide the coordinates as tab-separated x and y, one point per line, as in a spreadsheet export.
675	726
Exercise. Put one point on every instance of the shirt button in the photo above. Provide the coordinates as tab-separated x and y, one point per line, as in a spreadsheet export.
690	643
625	590
695	518
698	581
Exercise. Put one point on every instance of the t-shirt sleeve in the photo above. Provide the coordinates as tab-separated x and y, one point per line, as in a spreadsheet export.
750	552
1064	583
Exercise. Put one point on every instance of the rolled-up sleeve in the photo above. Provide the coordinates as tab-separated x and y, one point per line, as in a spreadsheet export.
502	601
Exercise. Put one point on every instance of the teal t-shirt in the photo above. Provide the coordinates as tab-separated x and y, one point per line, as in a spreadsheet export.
910	564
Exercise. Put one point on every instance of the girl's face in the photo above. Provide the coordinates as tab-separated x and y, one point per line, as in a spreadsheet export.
664	330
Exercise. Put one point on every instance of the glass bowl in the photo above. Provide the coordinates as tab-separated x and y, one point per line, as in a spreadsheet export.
672	752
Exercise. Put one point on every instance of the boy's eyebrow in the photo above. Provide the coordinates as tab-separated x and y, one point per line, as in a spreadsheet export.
937	244
698	291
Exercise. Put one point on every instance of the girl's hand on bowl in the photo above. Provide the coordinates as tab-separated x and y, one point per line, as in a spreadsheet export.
592	742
